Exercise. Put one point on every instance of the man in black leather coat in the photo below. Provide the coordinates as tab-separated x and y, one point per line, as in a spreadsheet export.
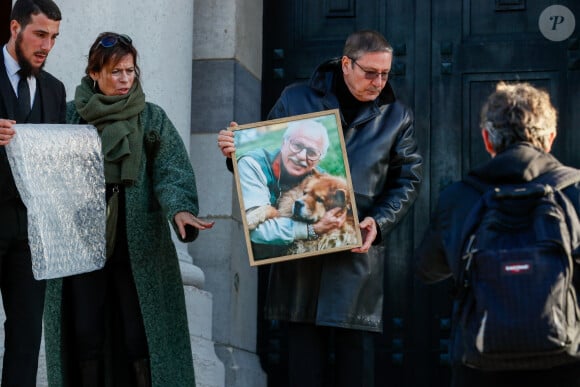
518	128
340	295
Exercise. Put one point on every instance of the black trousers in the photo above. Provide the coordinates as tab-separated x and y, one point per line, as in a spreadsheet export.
328	356
22	296
92	293
111	288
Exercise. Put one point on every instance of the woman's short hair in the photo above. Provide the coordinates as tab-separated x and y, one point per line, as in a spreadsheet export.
108	49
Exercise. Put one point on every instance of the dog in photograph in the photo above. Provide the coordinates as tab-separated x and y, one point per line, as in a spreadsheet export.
309	201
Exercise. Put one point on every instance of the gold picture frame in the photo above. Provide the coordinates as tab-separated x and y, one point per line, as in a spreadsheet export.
279	220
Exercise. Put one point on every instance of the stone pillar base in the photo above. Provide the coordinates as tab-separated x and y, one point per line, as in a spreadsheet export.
243	368
209	370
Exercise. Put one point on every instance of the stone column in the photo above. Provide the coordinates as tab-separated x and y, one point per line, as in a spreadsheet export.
227	56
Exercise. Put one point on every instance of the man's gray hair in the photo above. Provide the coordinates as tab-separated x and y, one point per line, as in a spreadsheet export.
312	127
518	112
364	41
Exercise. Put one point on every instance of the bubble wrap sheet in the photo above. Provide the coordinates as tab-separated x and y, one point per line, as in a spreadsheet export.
58	170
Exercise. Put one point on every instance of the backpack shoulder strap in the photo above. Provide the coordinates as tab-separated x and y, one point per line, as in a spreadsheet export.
472	219
476	183
474	215
560	177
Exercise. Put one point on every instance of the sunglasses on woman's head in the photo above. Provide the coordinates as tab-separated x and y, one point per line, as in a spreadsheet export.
112	40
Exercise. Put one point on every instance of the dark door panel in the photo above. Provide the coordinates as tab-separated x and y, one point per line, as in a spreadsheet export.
300	34
448	56
494	41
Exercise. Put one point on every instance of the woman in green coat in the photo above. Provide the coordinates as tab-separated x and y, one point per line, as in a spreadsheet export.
126	324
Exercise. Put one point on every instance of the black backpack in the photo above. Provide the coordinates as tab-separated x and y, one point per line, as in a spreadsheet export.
517	306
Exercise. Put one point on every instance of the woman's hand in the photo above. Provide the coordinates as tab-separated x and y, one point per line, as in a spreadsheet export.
225	141
184	218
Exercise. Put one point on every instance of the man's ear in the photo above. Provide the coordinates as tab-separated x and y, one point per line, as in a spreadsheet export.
345	62
15	29
487	142
550	141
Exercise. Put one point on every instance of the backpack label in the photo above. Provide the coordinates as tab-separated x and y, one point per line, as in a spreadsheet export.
517	268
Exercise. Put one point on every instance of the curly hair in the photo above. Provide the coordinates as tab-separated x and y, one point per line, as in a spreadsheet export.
519	112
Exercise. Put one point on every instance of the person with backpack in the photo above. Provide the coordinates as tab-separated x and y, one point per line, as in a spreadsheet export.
509	235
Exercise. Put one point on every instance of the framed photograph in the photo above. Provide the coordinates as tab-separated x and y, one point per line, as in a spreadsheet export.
294	188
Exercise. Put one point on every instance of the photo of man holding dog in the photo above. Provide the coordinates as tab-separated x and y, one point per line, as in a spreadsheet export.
292	205
334	302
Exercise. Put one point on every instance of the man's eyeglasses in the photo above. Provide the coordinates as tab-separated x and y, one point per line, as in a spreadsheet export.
371	75
108	41
311	153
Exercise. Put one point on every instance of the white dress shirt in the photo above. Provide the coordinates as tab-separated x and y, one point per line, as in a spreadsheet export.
12	69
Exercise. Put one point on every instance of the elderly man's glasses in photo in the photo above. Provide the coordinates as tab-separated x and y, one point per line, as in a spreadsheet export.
311	153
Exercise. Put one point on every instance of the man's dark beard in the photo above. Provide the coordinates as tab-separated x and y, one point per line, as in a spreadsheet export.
26	68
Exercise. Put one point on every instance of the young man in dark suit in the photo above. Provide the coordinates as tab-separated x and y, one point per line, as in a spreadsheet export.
34	26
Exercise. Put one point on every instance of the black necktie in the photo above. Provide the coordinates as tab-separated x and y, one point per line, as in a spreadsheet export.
23	98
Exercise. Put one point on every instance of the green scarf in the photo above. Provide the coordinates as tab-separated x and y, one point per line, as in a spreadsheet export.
116	118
